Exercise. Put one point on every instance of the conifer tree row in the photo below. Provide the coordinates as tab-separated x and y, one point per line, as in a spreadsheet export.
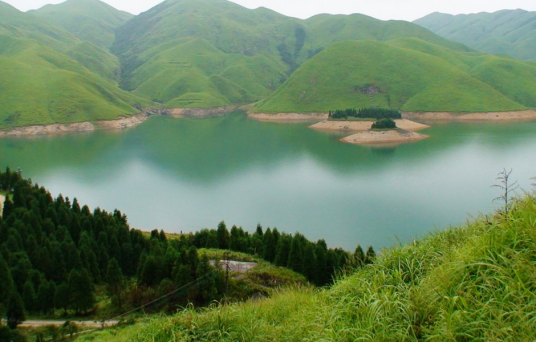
54	251
365	113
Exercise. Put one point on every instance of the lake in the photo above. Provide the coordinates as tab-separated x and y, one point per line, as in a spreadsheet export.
185	175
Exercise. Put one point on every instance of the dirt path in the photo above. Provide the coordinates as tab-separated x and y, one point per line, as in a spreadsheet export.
84	324
2	199
236	266
522	115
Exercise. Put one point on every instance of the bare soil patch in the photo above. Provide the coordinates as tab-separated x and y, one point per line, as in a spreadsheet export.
383	137
524	115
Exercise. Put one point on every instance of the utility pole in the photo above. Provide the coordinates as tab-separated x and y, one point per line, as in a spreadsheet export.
227	268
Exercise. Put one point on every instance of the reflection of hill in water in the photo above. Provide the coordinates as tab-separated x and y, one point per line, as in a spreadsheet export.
212	149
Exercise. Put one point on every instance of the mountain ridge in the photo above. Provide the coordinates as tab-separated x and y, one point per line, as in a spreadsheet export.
503	32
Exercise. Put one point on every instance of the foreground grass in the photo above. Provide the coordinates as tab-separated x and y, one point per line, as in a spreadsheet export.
472	283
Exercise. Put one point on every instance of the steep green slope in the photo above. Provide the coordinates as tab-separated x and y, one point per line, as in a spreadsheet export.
472	283
50	76
504	32
41	86
201	53
327	29
245	54
18	24
406	74
89	20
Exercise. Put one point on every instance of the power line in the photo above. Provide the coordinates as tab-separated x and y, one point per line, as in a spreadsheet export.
164	296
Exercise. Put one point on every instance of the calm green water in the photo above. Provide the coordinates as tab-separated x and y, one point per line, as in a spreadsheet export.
184	175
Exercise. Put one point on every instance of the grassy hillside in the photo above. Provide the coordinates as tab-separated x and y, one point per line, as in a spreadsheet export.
41	86
89	20
472	283
18	24
205	53
406	74
93	23
49	76
508	32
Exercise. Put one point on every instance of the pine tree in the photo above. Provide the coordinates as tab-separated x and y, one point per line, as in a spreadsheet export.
114	279
223	236
282	250
81	294
29	297
269	246
61	297
258	231
295	256
370	256
45	297
309	266
15	310
6	286
206	288
7	208
323	275
359	256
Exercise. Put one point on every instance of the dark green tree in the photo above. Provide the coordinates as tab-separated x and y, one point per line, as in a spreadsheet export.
15	310
6	286
282	250
114	280
61	297
309	266
269	245
370	256
206	287
359	256
81	293
323	275
223	236
29	297
295	255
45	297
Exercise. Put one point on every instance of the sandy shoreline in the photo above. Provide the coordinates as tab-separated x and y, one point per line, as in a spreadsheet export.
383	137
524	115
288	117
134	120
199	113
121	123
358	126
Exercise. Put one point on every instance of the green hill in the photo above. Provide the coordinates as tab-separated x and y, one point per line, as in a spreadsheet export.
508	32
472	283
89	20
50	76
212	53
93	23
42	86
206	53
406	74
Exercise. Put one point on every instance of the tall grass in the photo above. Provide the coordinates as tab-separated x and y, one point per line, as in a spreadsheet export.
472	283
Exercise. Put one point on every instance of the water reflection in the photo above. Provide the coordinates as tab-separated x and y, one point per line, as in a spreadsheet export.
189	174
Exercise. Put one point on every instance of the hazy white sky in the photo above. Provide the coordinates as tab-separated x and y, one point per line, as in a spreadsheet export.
381	9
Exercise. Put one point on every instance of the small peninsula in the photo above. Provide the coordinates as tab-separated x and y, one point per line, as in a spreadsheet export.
391	136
